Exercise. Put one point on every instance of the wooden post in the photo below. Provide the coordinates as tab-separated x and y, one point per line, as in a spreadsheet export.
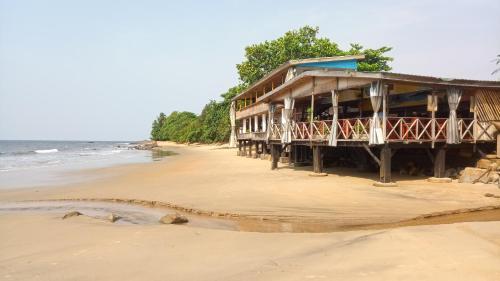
385	93
433	118
474	112
311	118
250	148
244	148
295	152
439	163
385	164
317	159
274	156
291	155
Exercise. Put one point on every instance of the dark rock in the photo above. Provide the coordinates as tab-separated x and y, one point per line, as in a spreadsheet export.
173	219
71	214
112	217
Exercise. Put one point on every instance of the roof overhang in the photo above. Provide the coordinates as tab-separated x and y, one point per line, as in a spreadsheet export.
284	68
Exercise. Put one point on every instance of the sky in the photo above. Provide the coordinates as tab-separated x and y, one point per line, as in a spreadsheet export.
103	70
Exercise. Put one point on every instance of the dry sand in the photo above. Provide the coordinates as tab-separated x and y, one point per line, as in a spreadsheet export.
42	246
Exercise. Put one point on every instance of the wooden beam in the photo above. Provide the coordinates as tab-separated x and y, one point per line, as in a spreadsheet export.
385	93
317	159
385	164
367	148
275	155
439	163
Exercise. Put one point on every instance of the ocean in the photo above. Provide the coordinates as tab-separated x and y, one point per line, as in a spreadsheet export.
36	163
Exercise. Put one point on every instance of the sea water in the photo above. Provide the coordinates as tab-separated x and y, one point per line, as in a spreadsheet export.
35	163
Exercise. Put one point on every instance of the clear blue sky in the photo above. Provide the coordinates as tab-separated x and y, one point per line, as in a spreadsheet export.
102	70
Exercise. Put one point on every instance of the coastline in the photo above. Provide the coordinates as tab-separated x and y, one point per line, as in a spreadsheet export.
212	180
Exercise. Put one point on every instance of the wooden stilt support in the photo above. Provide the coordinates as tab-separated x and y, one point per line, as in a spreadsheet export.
250	146
244	148
385	164
385	168
256	153
291	155
317	161
439	163
440	167
295	154
275	156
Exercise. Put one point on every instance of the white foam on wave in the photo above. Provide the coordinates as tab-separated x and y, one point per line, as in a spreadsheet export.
47	150
101	153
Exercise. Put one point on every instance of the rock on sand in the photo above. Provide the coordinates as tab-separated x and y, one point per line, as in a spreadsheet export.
71	214
173	219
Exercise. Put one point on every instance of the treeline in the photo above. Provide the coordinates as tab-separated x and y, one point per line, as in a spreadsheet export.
213	124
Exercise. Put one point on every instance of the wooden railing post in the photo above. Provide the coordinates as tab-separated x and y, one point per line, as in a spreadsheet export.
385	93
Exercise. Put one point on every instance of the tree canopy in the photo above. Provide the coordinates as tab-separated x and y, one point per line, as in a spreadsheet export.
213	124
303	43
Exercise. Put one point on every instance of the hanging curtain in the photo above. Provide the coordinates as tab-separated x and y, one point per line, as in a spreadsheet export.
272	109
286	120
452	133
332	138
376	135
250	125
232	117
290	74
256	123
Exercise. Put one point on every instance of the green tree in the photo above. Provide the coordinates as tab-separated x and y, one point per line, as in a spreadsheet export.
178	126
303	43
157	124
375	60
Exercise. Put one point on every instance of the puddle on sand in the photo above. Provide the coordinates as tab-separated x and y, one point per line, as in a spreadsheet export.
141	215
129	214
159	154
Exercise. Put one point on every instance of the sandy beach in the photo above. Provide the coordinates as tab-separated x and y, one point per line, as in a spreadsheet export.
213	182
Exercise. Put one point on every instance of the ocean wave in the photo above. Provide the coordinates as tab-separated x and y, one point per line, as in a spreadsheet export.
101	153
46	150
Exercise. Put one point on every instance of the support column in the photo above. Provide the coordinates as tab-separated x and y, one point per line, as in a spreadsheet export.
256	153
440	166
317	152
250	146
385	168
291	153
275	156
385	165
244	148
239	148
439	163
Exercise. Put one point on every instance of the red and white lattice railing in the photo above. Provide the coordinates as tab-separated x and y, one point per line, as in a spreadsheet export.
398	129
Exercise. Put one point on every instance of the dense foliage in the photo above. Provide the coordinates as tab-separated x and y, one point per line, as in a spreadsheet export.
303	43
178	127
213	124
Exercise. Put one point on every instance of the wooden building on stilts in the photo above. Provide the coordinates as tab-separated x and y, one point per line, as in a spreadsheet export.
312	110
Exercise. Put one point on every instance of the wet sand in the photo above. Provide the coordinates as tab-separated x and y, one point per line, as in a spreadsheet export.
214	182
